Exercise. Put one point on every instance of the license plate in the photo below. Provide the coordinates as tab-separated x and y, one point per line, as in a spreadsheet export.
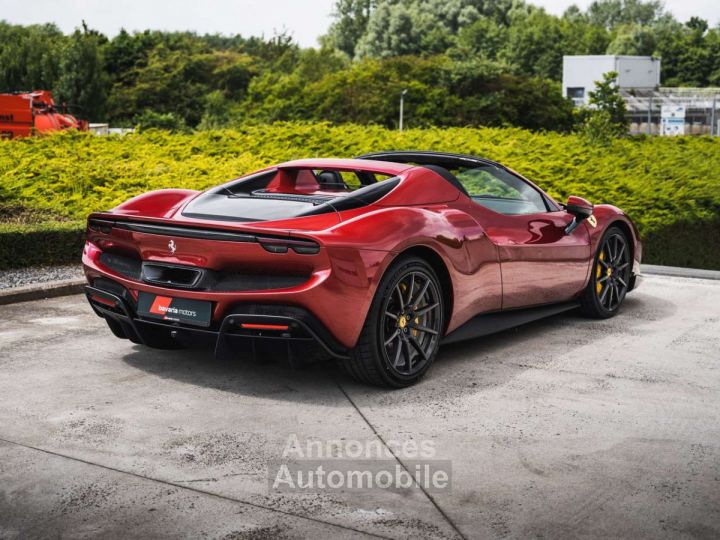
182	310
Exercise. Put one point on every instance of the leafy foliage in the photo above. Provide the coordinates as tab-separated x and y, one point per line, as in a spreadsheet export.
524	38
154	120
440	92
492	60
83	82
607	116
29	56
668	185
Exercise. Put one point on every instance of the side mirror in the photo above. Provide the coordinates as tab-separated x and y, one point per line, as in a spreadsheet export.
580	208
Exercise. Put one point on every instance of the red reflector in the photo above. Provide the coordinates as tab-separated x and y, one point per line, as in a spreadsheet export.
102	300
251	326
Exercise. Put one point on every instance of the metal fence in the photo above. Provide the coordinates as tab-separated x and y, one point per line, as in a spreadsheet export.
699	105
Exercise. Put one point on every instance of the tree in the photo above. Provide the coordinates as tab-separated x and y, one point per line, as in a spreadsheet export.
83	81
440	92
534	44
217	113
484	38
611	13
633	39
351	19
29	56
126	51
690	53
607	116
172	81
395	28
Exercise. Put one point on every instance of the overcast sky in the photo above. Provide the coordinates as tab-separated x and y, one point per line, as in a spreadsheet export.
305	19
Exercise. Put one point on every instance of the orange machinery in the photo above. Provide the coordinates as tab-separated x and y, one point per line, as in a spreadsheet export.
23	115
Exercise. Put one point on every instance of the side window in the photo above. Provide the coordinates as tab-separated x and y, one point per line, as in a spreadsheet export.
501	191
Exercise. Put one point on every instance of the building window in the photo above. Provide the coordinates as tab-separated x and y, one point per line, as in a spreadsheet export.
576	93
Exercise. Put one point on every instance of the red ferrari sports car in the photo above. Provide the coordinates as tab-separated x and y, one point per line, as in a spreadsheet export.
375	261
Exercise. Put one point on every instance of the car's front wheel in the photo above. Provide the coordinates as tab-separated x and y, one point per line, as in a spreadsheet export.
403	329
610	276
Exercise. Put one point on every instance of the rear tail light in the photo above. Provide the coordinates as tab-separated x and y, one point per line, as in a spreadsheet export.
278	245
99	225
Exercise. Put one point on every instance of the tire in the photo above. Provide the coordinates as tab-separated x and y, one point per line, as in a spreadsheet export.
610	277
402	332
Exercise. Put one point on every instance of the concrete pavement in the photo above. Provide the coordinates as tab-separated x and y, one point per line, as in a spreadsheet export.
563	428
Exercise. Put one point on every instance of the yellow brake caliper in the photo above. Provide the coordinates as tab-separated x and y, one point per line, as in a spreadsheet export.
598	273
414	332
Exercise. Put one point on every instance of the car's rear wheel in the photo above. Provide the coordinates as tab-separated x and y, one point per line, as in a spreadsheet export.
610	276
403	329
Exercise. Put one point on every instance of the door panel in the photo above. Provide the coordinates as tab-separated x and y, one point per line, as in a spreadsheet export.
539	263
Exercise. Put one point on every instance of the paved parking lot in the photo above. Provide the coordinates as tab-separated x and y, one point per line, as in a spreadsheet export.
563	428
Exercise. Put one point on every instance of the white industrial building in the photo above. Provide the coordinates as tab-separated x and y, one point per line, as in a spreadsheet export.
581	72
652	109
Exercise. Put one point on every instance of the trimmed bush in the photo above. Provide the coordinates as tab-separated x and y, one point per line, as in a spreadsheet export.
669	186
41	244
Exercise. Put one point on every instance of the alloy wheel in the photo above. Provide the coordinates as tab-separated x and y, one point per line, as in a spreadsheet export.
612	272
411	323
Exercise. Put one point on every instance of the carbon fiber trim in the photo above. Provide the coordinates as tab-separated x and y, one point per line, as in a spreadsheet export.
210	280
125	266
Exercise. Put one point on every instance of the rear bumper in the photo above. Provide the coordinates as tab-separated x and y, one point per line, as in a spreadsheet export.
241	329
337	294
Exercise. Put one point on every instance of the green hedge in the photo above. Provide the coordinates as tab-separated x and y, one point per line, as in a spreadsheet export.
669	186
683	244
690	245
40	244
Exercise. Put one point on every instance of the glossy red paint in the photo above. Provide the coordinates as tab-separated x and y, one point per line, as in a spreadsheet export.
492	261
162	203
579	202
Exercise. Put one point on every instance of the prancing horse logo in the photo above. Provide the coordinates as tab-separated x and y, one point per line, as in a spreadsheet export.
172	247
